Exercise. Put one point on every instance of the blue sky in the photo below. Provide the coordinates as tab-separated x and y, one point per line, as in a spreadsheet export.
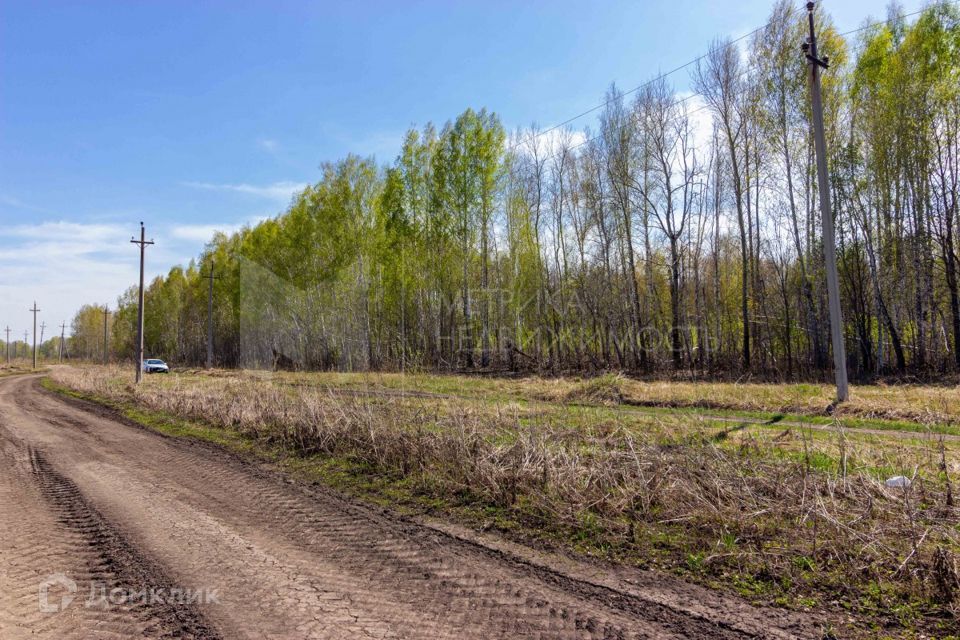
195	116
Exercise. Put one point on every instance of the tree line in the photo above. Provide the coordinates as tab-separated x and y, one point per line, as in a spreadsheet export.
678	232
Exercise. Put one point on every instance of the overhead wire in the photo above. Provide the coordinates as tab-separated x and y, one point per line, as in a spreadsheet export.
533	137
637	88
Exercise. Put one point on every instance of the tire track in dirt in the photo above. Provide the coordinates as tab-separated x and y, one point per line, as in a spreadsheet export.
406	578
296	562
48	531
397	549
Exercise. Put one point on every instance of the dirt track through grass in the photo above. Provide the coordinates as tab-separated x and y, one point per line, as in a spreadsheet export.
291	562
773	512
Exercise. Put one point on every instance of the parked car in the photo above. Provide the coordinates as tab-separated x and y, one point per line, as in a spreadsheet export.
155	366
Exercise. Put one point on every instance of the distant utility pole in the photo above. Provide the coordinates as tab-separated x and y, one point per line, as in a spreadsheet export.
35	312
211	277
43	327
8	343
26	342
106	316
143	246
63	333
829	241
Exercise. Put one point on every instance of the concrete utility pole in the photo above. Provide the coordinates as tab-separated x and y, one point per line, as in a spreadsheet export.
63	333
43	327
35	312
26	343
143	246
106	316
8	343
211	277
829	241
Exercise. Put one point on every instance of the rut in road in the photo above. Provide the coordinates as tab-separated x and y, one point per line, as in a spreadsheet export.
294	562
67	538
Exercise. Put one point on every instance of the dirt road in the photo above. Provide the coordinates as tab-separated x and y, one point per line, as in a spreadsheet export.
162	538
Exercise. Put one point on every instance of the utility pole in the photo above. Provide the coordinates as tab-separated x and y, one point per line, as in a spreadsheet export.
35	312
63	333
143	246
211	277
106	316
26	342
43	327
8	343
829	241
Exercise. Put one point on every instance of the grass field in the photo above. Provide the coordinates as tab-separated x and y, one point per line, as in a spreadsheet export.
751	488
912	403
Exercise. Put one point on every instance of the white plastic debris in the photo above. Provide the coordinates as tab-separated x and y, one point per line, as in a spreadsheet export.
898	482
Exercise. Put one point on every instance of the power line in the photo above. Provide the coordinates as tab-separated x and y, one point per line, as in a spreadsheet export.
889	20
691	95
633	116
535	136
674	104
639	87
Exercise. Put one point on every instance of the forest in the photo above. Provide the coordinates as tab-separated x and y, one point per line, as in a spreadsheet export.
679	232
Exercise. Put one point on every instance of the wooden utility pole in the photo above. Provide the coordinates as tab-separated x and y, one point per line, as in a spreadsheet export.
35	312
8	343
211	277
106	348
63	333
829	241
143	246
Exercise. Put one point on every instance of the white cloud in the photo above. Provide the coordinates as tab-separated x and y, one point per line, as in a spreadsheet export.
701	121
64	231
63	265
280	191
200	232
203	233
549	142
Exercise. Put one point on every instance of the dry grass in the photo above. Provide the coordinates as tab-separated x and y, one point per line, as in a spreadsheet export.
918	403
798	517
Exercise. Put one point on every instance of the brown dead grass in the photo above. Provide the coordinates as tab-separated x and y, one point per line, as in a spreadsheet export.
911	402
774	523
917	403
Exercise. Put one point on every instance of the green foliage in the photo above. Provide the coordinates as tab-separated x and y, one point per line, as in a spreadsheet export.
86	333
557	252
